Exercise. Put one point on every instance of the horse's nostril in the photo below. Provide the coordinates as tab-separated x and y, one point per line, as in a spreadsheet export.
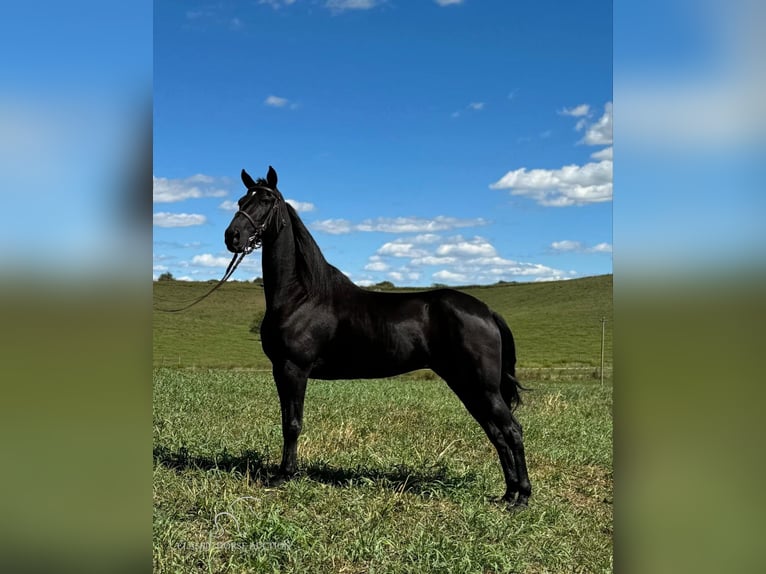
231	237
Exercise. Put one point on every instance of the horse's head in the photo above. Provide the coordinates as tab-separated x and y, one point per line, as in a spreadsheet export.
260	209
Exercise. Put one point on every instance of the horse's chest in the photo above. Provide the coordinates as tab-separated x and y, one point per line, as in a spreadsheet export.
298	339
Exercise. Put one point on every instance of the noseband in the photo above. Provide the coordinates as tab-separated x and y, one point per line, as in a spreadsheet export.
255	240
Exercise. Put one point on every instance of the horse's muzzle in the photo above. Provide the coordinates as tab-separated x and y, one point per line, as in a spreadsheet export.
234	240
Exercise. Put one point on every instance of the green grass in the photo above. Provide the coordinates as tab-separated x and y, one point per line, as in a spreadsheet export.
396	477
556	324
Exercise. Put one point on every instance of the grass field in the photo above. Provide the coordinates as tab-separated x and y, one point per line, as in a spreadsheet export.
395	475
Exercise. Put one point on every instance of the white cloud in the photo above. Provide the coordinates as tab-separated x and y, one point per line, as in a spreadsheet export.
376	264
603	154
343	5
205	266
166	190
277	4
600	133
301	206
447	252
208	260
164	219
448	2
577	111
461	260
276	101
365	282
475	106
396	224
449	276
432	260
569	185
568	245
520	269
425	238
416	224
333	226
396	275
401	248
601	248
476	247
229	205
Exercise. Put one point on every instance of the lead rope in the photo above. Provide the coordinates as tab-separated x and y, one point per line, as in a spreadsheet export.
229	271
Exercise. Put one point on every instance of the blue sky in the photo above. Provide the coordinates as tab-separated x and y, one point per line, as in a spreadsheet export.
423	142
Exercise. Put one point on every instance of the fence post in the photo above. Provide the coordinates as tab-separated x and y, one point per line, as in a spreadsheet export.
603	329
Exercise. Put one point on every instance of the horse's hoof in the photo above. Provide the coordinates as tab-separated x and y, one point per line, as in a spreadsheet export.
522	503
513	503
507	499
277	481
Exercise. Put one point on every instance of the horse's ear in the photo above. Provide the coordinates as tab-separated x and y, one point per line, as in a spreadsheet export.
247	180
271	178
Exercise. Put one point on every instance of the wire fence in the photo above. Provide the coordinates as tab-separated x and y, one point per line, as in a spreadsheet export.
599	373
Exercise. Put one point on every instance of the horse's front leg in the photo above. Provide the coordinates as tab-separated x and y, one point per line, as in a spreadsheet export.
291	386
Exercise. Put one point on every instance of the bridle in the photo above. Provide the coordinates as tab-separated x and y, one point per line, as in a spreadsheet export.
255	241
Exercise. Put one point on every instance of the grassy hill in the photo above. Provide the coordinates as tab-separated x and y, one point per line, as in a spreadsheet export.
556	324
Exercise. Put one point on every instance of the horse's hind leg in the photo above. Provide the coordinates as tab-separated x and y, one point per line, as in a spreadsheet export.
502	421
504	432
516	437
291	386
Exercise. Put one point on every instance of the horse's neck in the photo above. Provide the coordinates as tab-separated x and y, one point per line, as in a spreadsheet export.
280	276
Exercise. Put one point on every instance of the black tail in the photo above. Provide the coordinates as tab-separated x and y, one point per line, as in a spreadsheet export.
509	385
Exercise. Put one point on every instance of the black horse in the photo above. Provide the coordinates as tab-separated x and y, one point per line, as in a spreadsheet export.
319	324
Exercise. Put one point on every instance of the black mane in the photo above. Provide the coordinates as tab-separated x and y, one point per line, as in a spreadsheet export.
316	275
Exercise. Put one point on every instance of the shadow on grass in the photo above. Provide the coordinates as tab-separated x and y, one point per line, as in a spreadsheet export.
424	481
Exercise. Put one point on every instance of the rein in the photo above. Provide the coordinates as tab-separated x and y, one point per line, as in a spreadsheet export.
233	264
253	242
